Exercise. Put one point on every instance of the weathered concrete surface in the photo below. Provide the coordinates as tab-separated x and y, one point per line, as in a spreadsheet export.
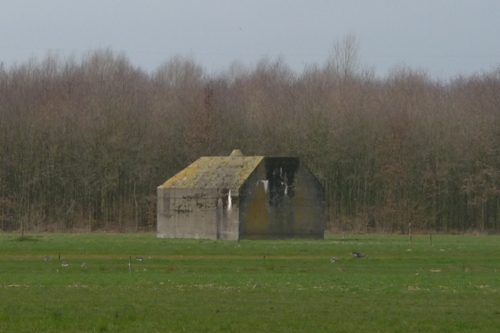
282	199
195	203
238	197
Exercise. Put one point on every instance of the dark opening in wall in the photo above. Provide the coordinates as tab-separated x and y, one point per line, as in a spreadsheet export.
280	172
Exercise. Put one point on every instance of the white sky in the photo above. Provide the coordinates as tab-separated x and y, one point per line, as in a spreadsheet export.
444	37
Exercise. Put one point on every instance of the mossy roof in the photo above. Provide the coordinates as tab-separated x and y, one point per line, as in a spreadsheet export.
215	172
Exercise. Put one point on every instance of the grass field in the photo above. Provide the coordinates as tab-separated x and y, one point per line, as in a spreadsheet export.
251	286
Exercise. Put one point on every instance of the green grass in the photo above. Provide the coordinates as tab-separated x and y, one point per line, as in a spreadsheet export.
214	286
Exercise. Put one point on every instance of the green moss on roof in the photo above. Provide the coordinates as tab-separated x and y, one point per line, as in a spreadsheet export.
215	172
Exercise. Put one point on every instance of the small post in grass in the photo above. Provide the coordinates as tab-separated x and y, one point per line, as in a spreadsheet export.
409	231
90	220
130	264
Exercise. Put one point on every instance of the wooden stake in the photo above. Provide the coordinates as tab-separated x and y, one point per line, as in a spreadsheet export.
409	231
90	220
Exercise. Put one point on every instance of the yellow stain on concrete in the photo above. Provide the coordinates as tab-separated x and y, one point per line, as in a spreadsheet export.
257	221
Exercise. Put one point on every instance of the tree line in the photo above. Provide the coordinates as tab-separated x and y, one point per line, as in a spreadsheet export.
84	143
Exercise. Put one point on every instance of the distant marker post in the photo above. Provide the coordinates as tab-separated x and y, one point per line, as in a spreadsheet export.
409	231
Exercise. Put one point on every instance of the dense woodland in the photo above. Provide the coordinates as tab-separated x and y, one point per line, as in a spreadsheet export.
84	142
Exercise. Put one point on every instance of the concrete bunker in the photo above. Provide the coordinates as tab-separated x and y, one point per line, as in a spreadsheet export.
242	197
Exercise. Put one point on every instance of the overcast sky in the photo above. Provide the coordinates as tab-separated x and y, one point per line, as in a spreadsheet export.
444	37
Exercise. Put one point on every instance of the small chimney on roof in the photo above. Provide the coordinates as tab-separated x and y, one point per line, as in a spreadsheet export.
236	153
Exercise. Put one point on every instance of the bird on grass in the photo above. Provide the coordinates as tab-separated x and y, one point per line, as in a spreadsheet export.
358	255
139	258
64	264
47	258
84	265
334	259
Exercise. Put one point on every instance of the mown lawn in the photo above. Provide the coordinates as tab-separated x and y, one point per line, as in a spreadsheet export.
251	286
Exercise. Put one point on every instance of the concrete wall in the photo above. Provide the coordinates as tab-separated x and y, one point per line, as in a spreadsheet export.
196	213
281	199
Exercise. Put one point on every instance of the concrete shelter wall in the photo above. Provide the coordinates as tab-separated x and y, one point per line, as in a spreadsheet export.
281	199
196	213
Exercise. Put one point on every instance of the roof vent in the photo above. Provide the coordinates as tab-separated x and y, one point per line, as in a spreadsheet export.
236	153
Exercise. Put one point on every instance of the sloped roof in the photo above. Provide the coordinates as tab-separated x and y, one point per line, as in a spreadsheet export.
216	171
